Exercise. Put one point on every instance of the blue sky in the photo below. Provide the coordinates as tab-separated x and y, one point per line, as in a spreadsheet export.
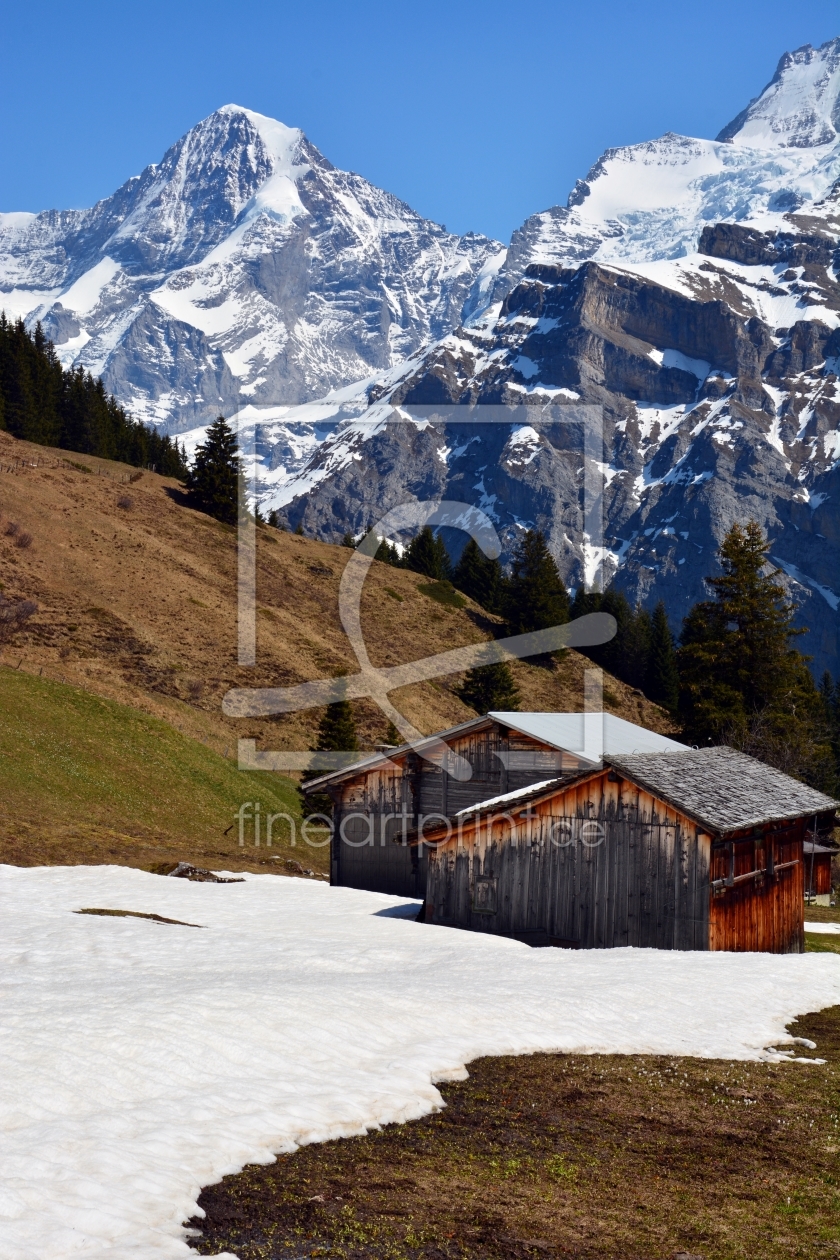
475	114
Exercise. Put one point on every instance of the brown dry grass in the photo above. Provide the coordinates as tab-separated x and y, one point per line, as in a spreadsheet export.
139	605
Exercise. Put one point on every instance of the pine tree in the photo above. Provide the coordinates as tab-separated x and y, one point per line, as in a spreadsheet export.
213	481
386	553
392	736
663	680
427	554
535	598
480	577
337	730
490	687
741	680
626	655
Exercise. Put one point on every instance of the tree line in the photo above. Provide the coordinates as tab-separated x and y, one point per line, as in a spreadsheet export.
43	402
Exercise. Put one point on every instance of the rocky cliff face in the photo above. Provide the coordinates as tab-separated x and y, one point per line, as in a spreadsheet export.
711	414
243	269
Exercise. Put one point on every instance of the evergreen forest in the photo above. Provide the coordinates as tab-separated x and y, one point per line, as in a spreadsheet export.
43	402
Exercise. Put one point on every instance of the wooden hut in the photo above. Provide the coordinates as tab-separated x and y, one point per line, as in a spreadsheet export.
818	858
380	802
701	849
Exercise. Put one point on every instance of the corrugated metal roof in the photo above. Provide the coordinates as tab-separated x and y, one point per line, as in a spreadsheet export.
722	789
593	735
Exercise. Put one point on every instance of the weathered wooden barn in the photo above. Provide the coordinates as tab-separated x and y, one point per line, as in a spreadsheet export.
818	859
701	849
384	800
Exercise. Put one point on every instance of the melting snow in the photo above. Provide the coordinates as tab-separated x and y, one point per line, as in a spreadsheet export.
523	444
525	367
142	1061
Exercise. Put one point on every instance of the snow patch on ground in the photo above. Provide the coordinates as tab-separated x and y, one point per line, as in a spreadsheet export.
142	1060
523	444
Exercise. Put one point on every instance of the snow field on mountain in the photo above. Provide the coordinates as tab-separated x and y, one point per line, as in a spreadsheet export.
144	1060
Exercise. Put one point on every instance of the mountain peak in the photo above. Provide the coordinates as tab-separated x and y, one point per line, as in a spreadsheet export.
280	141
799	108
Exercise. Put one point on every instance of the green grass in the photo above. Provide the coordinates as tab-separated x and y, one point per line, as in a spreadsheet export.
442	593
74	765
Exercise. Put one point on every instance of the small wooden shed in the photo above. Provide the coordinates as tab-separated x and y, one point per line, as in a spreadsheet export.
701	849
380	801
818	859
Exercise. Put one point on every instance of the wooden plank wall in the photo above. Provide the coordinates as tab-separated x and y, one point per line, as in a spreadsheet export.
600	866
767	912
822	872
370	840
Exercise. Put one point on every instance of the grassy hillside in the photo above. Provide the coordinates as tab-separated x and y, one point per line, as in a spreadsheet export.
137	599
87	779
137	604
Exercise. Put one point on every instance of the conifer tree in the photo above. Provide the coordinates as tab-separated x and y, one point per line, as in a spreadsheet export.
741	680
627	655
490	687
663	680
480	577
213	481
387	553
337	730
427	554
535	598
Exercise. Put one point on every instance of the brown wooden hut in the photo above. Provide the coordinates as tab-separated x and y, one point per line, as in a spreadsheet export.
818	858
380	802
701	849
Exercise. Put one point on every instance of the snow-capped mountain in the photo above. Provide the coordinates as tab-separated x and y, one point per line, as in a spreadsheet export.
650	202
690	289
242	268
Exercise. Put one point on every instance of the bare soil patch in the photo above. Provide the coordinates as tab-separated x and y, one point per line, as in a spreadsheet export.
602	1157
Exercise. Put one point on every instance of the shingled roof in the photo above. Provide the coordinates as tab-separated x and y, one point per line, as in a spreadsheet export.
722	789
